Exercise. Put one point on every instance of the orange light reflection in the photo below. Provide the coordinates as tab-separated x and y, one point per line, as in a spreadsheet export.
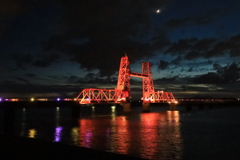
32	133
149	134
122	135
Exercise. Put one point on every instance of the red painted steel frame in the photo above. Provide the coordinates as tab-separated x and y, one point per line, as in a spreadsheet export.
122	92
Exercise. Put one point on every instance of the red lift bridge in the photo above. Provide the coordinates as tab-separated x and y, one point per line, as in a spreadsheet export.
121	93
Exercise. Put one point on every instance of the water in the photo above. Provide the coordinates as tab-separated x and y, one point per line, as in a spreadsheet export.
160	134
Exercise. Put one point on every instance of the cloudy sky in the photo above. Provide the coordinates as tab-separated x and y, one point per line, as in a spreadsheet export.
58	47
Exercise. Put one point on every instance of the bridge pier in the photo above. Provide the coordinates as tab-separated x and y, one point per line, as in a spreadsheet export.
146	107
173	106
126	107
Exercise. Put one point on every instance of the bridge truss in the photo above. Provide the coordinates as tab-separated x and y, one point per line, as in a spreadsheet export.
122	92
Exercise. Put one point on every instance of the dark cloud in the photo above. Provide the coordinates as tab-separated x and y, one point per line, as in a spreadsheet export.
229	46
31	75
11	89
103	31
174	78
181	46
209	78
190	69
192	55
163	65
191	48
177	60
91	78
226	74
230	73
195	48
22	59
72	79
202	19
46	60
21	79
217	67
14	9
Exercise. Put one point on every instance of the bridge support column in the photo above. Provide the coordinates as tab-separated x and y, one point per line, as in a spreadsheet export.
173	106
146	107
126	107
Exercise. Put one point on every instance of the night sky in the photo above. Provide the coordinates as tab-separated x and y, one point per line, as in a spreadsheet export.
52	48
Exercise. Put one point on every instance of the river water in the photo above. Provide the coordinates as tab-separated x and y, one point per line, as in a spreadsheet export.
161	134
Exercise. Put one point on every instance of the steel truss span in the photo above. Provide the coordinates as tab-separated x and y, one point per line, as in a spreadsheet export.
122	92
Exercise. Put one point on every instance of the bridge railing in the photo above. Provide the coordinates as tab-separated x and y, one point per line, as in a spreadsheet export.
94	95
160	97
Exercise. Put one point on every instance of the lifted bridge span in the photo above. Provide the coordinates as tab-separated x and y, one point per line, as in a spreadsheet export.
121	94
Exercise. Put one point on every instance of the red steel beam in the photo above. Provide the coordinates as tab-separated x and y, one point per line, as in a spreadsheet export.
122	92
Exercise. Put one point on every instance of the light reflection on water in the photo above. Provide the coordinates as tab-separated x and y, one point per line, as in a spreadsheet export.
32	133
160	134
150	135
146	135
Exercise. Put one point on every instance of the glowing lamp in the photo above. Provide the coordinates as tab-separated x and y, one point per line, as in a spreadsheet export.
58	99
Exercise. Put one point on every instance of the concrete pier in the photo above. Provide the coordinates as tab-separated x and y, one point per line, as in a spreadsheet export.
126	107
173	106
146	107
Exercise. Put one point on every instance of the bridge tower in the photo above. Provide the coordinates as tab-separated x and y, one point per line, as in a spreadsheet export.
123	84
147	81
121	94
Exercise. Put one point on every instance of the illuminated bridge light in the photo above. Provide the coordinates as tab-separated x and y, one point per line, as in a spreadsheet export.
0	99
32	133
68	99
32	99
121	93
42	99
113	108
58	99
